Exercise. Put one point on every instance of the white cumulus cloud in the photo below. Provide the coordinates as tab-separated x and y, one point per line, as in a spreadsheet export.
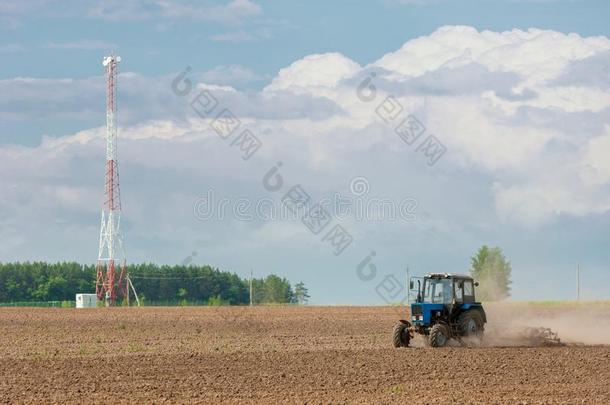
526	135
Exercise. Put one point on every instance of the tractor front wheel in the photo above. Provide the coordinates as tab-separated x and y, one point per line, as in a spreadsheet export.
439	335
400	335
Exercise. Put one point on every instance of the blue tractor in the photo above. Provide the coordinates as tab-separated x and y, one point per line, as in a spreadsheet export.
445	309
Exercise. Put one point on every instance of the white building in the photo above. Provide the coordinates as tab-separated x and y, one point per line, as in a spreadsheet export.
86	301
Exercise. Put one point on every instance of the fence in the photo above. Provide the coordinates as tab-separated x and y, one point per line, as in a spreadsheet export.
43	304
144	302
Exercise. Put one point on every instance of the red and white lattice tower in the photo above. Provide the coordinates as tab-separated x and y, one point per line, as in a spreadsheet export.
111	283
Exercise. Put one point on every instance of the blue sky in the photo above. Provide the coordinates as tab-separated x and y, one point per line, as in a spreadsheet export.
517	91
281	33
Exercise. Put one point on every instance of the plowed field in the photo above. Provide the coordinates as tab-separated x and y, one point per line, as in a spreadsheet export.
293	354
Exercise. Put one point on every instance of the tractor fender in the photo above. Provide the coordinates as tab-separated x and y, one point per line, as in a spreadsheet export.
475	306
405	322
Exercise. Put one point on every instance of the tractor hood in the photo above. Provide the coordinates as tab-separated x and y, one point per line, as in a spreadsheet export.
421	313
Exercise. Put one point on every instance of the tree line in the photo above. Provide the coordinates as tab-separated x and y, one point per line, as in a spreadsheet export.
40	281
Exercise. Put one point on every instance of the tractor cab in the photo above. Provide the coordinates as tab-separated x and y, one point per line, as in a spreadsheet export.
445	308
441	293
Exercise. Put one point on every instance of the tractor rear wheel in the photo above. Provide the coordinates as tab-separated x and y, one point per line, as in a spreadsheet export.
471	324
439	335
400	335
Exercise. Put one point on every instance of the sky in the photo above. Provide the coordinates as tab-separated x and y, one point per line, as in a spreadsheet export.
412	131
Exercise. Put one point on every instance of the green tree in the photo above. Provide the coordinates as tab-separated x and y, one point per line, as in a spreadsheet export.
272	290
301	294
277	290
491	269
182	293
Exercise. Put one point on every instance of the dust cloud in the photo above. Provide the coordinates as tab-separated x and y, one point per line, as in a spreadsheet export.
520	324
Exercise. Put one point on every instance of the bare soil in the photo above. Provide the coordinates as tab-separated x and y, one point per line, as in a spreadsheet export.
288	354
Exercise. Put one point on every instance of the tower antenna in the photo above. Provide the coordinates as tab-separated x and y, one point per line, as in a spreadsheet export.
111	282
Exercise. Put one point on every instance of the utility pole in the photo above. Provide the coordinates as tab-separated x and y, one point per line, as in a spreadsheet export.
135	294
578	282
250	287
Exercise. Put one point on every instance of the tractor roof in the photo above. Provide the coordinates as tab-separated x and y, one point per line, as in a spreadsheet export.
448	275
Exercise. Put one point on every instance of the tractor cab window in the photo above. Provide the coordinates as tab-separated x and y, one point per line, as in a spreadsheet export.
438	291
468	290
459	291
